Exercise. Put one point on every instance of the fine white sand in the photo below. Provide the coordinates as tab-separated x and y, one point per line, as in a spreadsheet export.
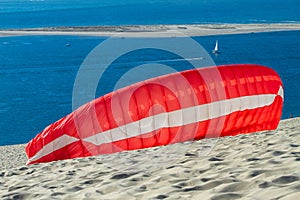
262	165
154	30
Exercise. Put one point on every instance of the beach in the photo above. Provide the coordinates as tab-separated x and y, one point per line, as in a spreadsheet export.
153	30
261	165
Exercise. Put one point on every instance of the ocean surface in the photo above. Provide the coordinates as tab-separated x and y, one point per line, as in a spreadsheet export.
43	13
37	73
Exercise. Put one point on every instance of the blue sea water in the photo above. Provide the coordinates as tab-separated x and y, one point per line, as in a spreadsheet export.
43	13
37	73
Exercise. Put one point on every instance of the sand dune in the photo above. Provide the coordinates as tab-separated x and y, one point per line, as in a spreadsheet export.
154	30
257	166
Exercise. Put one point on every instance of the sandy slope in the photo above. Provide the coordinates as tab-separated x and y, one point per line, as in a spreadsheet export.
154	30
257	166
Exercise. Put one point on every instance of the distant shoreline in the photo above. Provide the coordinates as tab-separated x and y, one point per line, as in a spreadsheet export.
153	30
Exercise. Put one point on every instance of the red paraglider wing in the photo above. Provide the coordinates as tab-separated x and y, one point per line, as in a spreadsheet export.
164	110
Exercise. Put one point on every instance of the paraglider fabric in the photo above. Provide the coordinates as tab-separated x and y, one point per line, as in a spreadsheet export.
173	108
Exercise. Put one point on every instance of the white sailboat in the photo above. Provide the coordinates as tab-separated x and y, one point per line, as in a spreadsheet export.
216	49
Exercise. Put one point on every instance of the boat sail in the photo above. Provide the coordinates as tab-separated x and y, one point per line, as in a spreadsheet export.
216	49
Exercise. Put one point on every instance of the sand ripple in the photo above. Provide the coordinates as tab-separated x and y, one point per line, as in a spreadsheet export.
257	166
